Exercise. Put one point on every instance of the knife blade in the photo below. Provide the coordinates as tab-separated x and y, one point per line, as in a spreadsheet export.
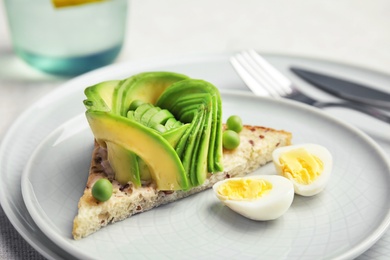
345	89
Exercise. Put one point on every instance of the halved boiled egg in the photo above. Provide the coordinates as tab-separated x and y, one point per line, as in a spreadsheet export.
263	197
307	166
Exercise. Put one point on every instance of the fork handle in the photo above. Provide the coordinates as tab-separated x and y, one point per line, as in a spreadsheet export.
376	113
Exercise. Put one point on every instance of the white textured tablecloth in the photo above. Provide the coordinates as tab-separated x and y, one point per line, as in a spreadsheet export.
355	32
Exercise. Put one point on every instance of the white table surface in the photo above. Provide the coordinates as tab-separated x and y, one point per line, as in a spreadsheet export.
354	32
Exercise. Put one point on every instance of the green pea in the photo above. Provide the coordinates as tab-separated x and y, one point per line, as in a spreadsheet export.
230	139
136	103
102	190
234	123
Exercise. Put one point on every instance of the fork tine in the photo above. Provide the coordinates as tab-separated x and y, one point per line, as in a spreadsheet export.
260	76
249	80
248	70
277	79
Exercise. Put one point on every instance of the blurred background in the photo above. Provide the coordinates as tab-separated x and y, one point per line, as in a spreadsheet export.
349	31
352	32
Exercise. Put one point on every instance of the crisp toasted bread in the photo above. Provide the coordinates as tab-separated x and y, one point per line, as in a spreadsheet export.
256	147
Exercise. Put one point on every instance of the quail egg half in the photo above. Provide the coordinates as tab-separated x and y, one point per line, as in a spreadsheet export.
307	166
265	197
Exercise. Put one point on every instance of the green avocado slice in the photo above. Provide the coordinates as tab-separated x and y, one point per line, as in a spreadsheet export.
186	109
144	171
189	102
146	118
130	115
100	96
195	107
124	164
162	117
184	90
188	155
171	122
200	154
173	136
200	164
166	169
200	143
141	110
146	87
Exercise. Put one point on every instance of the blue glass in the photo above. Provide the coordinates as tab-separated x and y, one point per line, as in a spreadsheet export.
69	40
70	66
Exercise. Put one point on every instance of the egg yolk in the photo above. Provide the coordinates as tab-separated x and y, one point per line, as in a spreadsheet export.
244	189
301	166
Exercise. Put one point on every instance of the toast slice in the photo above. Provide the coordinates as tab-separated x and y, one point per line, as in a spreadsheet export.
255	149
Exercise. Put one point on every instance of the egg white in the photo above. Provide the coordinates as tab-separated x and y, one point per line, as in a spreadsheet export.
321	181
268	207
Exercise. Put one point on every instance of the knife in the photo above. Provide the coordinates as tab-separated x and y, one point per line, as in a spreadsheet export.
345	89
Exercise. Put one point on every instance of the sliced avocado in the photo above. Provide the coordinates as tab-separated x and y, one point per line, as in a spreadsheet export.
176	99
188	113
141	110
118	107
161	117
174	135
185	108
170	123
130	115
166	169
159	128
135	104
181	147
200	165
146	86
177	124
189	102
188	155
144	171
197	145
191	150
145	119
200	104
124	164
100	96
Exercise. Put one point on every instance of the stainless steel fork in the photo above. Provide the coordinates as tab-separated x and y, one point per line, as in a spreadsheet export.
264	80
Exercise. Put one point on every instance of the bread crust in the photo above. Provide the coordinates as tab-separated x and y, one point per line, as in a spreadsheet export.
256	146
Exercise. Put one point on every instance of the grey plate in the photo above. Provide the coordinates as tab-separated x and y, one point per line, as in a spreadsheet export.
49	113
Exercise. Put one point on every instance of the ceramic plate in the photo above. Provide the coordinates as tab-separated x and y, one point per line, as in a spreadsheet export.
342	221
338	214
